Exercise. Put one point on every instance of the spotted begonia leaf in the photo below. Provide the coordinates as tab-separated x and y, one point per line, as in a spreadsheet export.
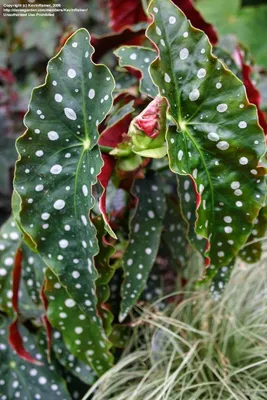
15	338
174	231
59	163
124	82
10	238
102	259
9	241
253	93
33	269
188	201
215	137
139	58
145	233
220	279
80	331
252	251
22	380
73	364
163	277
196	19
227	59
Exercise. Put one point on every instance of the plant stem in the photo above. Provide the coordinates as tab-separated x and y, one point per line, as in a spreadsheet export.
105	149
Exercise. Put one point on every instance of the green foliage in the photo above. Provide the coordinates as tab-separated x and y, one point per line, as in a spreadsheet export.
120	185
139	58
206	134
144	239
20	378
197	349
241	22
63	163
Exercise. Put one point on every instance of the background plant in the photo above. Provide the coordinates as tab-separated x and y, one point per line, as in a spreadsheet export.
199	349
100	220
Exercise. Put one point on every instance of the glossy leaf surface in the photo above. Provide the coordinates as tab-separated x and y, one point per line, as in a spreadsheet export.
58	165
20	379
174	232
70	362
145	233
252	251
215	136
139	58
188	201
81	333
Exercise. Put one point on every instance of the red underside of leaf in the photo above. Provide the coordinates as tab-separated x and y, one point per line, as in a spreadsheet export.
47	325
148	121
111	137
196	19
15	338
253	94
16	343
16	279
125	13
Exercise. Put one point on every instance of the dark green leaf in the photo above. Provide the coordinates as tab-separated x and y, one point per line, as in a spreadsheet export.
20	379
145	233
216	137
58	165
252	251
70	362
188	201
81	332
174	232
139	58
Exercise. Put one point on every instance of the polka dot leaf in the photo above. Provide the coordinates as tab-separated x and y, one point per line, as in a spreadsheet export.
220	279
174	232
9	241
22	380
188	201
214	135
80	331
144	239
32	274
59	161
70	362
139	58
252	251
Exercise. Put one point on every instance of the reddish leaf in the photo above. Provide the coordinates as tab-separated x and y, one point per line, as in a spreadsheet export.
149	120
126	13
15	338
253	94
196	19
6	76
16	279
111	137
